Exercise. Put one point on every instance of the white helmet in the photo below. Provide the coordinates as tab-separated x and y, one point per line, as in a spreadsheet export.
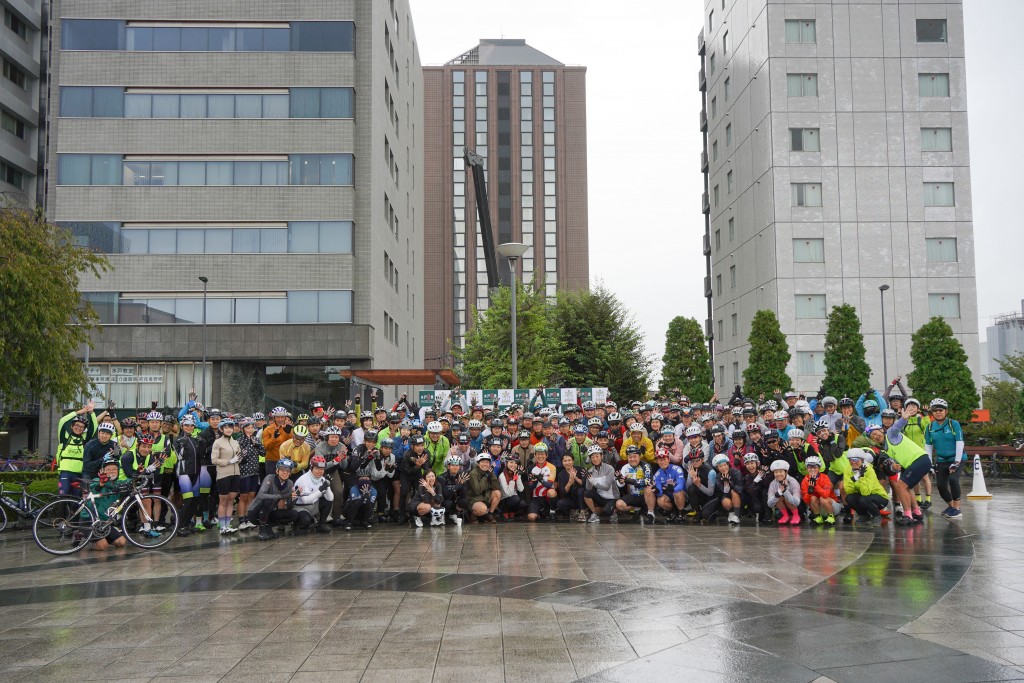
813	461
279	410
719	459
780	465
595	449
106	427
476	424
829	401
484	456
938	403
636	427
434	427
780	415
796	434
692	430
452	460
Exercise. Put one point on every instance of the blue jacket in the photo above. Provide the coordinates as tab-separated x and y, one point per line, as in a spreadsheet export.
671	472
190	407
875	419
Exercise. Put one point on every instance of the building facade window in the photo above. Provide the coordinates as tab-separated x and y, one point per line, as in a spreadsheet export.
804	140
806	194
809	250
734	323
13	125
939	194
12	176
728	182
944	305
91	101
933	85
306	306
727	89
15	24
936	139
801	31
802	85
732	277
15	75
728	135
810	363
941	249
810	306
298	169
732	229
931	31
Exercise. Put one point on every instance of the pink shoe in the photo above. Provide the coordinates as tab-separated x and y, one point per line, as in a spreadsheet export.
796	519
784	516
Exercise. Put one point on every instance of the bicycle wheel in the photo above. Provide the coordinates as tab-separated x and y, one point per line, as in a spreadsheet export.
3	517
135	516
37	501
1016	467
63	527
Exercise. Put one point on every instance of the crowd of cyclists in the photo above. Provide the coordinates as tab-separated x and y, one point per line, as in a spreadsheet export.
786	460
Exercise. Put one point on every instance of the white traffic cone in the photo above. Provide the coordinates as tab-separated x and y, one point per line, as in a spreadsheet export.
978	488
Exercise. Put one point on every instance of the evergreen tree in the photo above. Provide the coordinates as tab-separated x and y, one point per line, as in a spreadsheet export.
1002	399
768	357
847	373
685	365
940	369
486	360
601	344
43	323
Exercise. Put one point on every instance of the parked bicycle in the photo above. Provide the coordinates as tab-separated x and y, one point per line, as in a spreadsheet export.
26	506
15	465
66	525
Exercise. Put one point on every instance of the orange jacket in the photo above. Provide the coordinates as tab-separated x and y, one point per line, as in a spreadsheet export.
822	488
273	437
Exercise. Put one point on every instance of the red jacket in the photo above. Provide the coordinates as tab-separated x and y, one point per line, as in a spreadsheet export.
822	488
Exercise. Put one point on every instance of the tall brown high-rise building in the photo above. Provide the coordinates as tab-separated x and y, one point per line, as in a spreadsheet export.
525	114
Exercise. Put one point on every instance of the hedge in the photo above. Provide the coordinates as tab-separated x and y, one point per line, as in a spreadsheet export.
42	482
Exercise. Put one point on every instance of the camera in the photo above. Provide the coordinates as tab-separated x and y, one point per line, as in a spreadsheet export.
668	489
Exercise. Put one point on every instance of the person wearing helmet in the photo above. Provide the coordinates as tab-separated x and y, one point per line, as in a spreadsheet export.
569	484
438	446
756	479
483	492
870	406
411	469
95	449
392	428
463	451
578	446
541	480
719	443
739	447
226	455
800	451
297	450
917	425
670	443
193	477
784	494
275	435
944	444
106	487
522	449
728	490
694	436
832	449
896	394
601	489
341	467
452	485
669	487
266	508
74	431
314	497
145	462
513	490
831	413
636	493
251	447
700	481
817	493
864	493
637	437
913	463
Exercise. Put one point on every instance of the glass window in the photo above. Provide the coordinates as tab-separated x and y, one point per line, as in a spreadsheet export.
336	103
944	305
275	40
76	101
275	173
218	241
247	311
941	249
135	241
806	194
305	103
335	169
802	85
138	106
191	172
933	85
163	173
801	31
245	241
91	34
275	106
939	194
219	172
167	39
249	39
274	240
302	307
273	310
218	311
931	30
810	362
163	241
336	237
247	173
220	106
161	311
73	169
322	36
190	241
165	106
936	140
195	39
303	238
305	169
335	307
809	250
804	139
193	106
810	306
188	310
139	39
222	39
249	106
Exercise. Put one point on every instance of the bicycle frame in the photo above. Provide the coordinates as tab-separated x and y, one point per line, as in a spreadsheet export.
19	506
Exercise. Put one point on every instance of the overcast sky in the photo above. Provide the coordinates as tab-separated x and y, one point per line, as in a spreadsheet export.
644	142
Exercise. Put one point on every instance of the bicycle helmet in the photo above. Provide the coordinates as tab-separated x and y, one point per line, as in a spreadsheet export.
314	405
497	424
330	431
595	422
771	434
318	461
106	427
476	424
154	415
668	431
693	430
387	443
750	457
780	415
168	419
657	416
279	410
855	454
632	450
285	464
435	427
416	441
129	422
226	422
717	429
821	424
739	434
247	422
365	415
753	427
259	416
873	428
603	435
846	401
540	448
719	459
302	418
938	403
796	434
829	401
909	402
147	439
484	456
780	465
889	412
813	461
636	427
595	449
614	418
301	430
737	411
109	459
589	405
453	460
895	396
371	436
187	421
579	429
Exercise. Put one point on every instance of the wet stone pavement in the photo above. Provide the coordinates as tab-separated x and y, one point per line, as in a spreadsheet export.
943	601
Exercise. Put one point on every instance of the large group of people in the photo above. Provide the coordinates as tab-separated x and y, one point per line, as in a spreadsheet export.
786	460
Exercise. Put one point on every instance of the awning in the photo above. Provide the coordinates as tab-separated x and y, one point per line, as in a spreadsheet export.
407	376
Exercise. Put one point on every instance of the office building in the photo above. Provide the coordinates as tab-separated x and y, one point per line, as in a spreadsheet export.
22	90
275	149
1003	338
836	160
524	113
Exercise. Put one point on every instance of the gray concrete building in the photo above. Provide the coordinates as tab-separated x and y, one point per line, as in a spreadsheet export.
22	92
1003	338
274	149
836	160
524	112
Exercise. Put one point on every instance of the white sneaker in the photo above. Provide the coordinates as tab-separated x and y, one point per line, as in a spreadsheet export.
734	518
231	529
594	518
224	531
457	520
418	522
160	527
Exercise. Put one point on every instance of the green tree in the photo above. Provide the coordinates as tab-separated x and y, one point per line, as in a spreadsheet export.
601	344
847	373
1013	365
768	357
43	323
940	369
486	360
685	365
1002	398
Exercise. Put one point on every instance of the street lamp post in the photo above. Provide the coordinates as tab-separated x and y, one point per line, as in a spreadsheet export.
513	251
202	391
885	357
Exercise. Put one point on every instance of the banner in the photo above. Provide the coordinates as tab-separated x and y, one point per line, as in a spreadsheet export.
474	397
522	396
552	397
506	397
600	394
569	396
491	397
426	398
586	394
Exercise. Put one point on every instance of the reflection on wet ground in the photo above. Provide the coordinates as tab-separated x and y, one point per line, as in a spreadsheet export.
940	601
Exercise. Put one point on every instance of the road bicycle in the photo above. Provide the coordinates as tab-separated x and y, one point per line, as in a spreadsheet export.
13	465
26	506
66	525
